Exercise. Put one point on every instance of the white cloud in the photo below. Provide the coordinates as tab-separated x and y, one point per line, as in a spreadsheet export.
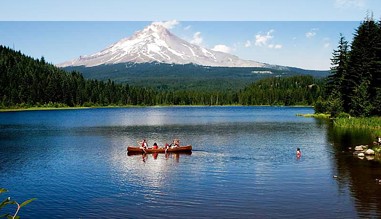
197	39
187	27
275	46
168	24
262	40
350	4
248	44
222	48
312	33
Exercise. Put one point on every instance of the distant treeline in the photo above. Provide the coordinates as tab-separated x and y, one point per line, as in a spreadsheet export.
354	86
187	76
26	82
296	90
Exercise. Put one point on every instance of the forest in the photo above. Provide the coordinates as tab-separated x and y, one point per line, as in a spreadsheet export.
27	82
354	85
187	76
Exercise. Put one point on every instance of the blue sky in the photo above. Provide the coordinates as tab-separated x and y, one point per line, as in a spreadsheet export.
300	33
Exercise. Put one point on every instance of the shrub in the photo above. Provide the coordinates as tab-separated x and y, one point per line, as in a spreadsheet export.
8	201
343	115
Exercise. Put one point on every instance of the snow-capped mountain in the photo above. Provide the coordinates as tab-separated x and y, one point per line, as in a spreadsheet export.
156	44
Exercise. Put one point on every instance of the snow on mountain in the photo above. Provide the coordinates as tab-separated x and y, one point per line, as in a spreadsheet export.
156	44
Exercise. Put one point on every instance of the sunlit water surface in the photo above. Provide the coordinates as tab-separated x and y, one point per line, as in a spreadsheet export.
243	164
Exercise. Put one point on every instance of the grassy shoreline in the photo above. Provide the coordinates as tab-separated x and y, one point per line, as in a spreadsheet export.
316	115
370	123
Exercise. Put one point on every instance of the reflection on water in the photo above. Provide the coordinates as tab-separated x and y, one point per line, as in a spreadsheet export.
145	157
356	174
243	164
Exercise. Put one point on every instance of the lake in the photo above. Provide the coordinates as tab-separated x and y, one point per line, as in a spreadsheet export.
243	164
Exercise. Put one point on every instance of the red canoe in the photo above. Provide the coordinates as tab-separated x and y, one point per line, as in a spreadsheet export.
187	148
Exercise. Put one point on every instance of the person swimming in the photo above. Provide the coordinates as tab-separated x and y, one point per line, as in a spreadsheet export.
298	153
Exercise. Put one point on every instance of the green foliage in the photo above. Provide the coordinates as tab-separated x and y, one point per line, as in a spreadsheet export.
170	77
25	82
296	90
343	115
355	81
334	104
360	103
377	149
344	121
316	115
9	201
320	106
339	67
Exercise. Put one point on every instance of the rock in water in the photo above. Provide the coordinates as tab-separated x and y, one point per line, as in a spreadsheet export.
369	152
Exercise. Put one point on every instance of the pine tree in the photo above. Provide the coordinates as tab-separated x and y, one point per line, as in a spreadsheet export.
335	85
376	78
361	105
362	67
339	63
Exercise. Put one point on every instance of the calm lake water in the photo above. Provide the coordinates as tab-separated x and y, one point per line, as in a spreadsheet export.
243	164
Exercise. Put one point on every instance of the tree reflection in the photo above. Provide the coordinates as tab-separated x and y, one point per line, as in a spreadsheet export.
356	174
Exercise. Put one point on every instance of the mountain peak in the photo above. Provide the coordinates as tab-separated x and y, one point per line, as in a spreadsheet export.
155	43
156	30
155	27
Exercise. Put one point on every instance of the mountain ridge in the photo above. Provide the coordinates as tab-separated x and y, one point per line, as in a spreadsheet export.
155	43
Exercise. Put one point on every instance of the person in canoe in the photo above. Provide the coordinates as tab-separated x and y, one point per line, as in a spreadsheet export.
143	145
155	146
166	147
175	143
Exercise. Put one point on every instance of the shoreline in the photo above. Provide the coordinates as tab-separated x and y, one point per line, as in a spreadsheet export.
372	124
314	115
134	106
40	109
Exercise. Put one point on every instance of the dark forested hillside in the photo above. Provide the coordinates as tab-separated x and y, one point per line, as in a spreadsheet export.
25	82
30	82
297	90
188	76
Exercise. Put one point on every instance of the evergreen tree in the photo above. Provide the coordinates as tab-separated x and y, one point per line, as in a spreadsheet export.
31	82
363	66
335	85
339	63
355	81
360	104
376	79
